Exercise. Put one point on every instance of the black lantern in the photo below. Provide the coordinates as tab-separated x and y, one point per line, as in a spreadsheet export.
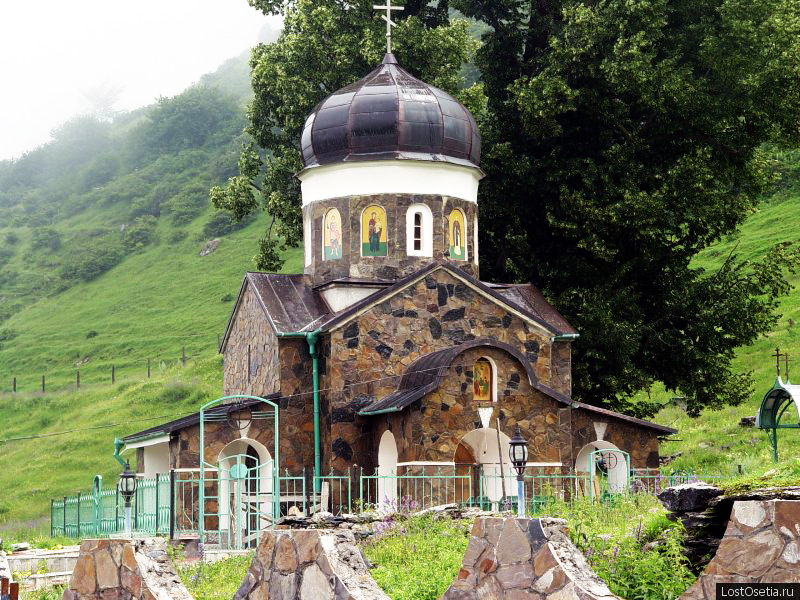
518	452
127	484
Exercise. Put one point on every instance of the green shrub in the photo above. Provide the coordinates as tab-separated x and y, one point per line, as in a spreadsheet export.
11	238
140	233
93	259
177	236
221	224
45	238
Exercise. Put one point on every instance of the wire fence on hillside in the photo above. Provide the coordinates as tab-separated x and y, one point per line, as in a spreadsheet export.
86	375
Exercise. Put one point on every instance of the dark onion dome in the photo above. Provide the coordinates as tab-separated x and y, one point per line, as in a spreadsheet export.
389	114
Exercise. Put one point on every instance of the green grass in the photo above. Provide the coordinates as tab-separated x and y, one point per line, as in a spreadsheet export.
418	558
215	581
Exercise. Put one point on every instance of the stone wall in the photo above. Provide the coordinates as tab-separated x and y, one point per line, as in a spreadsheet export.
760	545
437	312
431	429
308	564
397	263
516	559
125	570
250	337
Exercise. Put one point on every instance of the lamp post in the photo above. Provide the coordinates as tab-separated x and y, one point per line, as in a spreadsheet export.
127	487
518	453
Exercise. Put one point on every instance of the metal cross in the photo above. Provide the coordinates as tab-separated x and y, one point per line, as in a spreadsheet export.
389	23
786	362
777	356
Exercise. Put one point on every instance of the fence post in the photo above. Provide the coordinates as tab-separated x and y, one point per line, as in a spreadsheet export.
78	379
15	385
148	368
157	506
65	517
183	356
42	383
113	374
52	514
172	504
13	590
79	513
3	587
116	510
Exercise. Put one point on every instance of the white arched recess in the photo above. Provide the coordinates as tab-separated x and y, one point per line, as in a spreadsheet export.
484	444
617	475
387	467
426	246
225	461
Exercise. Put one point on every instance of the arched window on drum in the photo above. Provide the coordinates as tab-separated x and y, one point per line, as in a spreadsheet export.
419	230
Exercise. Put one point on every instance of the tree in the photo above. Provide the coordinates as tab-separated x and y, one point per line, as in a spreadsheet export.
620	137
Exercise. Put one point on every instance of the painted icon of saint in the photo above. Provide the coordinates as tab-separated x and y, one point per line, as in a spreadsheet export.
373	232
332	234
482	381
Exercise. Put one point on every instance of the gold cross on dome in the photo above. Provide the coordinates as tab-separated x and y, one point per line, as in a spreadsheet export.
389	23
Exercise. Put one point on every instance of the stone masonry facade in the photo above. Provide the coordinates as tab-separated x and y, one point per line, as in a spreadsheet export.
436	312
251	353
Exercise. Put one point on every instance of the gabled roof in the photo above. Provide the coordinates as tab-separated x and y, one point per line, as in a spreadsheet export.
533	308
292	304
289	302
426	373
192	419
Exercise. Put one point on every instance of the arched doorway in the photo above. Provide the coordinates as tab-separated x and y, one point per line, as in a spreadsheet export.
387	470
245	492
497	478
616	468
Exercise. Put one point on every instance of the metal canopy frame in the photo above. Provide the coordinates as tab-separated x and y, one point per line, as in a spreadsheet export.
217	417
773	408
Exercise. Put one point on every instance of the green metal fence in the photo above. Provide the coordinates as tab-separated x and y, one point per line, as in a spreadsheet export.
169	504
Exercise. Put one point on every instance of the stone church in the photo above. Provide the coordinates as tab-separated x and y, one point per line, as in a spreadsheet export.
389	352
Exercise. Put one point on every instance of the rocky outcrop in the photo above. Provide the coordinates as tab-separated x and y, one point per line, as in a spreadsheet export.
308	564
761	545
125	570
511	558
705	511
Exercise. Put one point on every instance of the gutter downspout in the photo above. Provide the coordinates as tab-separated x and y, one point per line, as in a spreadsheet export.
311	339
118	445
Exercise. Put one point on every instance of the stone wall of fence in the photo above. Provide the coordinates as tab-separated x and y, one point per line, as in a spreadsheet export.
125	570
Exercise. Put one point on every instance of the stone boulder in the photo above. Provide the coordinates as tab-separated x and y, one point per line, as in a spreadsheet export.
309	564
510	558
688	497
125	570
761	545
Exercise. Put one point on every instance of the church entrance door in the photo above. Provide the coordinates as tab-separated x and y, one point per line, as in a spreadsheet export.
466	465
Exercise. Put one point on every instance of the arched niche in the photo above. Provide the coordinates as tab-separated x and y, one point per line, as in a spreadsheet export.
484	380
387	470
419	230
617	474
